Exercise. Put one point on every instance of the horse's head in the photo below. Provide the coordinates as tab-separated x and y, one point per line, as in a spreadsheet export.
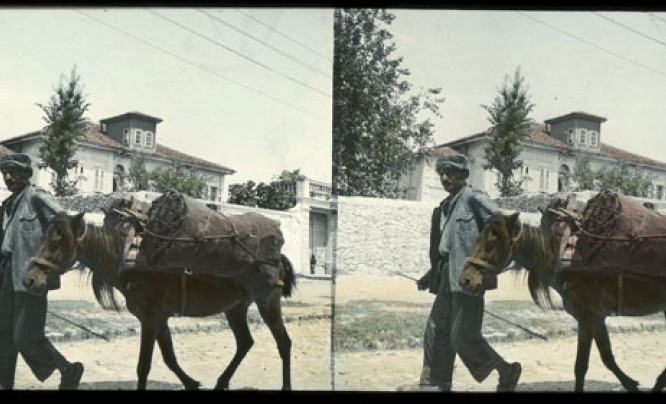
57	252
493	250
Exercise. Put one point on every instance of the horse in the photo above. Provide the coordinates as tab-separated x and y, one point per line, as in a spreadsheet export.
153	296
588	295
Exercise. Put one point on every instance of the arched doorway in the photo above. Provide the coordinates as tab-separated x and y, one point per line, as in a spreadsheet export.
563	176
118	177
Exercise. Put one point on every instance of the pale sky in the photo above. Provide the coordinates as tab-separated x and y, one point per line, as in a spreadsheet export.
258	104
579	61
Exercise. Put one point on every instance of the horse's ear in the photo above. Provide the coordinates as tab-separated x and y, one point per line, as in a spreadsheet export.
513	222
78	224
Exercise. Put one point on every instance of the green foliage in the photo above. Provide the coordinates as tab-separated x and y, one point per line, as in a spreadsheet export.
583	174
179	178
509	116
139	175
378	125
622	179
243	194
625	180
279	194
64	123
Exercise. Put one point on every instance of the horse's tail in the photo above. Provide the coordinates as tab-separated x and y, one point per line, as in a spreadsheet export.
288	276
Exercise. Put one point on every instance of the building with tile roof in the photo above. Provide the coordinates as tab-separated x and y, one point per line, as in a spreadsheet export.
106	151
549	156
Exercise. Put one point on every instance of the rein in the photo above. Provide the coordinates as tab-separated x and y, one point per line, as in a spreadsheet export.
233	236
579	229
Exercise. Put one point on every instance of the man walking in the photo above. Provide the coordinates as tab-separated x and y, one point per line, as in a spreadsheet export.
456	318
25	216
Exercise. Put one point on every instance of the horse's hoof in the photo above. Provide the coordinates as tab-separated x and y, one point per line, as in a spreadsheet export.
631	386
192	385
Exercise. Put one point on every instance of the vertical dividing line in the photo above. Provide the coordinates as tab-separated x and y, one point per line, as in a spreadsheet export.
333	290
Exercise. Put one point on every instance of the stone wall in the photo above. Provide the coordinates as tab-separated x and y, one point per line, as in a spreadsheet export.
379	236
382	236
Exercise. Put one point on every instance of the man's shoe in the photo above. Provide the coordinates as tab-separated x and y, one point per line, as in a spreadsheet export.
71	376
508	379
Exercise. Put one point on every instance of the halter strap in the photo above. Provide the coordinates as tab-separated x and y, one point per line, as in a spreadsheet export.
44	262
493	268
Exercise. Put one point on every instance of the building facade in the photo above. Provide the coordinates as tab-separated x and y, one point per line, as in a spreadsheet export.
549	155
105	154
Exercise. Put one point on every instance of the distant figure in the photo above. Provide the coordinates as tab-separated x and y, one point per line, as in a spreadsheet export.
25	216
313	263
649	205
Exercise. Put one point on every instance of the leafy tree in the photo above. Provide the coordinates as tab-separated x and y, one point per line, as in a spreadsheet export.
279	194
178	178
378	124
622	179
625	180
139	175
243	194
64	123
509	116
583	174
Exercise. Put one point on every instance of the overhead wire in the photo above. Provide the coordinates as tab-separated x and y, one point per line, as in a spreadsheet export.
264	43
628	28
592	44
240	54
191	63
284	35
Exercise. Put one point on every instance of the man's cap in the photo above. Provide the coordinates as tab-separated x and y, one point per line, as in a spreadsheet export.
16	162
456	162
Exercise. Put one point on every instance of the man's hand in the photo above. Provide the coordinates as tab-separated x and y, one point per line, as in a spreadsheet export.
424	282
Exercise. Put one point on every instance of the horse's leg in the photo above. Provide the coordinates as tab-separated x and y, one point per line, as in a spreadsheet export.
661	380
148	335
272	315
169	356
237	319
604	345
585	333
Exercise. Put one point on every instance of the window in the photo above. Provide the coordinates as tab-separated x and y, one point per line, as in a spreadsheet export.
570	137
149	137
583	136
544	179
594	138
126	136
138	137
213	194
660	192
99	180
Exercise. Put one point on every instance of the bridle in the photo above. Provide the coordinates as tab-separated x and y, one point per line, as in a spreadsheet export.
50	266
488	267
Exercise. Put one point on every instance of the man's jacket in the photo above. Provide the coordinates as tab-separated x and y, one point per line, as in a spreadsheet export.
24	230
469	211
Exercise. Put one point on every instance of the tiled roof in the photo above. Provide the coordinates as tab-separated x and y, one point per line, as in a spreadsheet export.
95	137
130	114
577	114
540	136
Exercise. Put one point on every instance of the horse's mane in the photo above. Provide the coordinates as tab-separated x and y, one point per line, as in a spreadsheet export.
538	253
103	248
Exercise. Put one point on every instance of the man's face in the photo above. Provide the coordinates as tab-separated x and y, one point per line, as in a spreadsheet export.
452	181
15	180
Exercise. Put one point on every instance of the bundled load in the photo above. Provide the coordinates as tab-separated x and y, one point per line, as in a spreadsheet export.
615	232
179	234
